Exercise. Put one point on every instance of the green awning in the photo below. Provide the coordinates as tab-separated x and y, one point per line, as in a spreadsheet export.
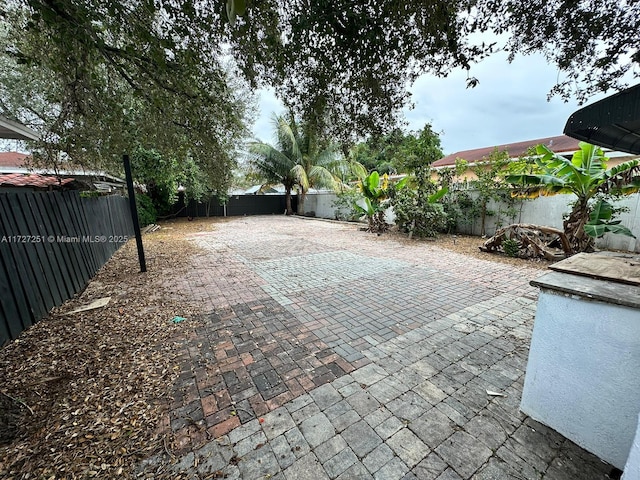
613	122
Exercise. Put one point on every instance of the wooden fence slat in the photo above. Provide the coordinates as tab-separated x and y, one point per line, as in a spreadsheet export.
103	247
111	228
11	324
54	251
70	229
73	275
21	213
13	305
94	225
78	222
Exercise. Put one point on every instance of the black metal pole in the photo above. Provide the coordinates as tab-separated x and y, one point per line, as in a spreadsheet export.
134	212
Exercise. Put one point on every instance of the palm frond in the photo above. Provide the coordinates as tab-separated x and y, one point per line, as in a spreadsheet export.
358	169
288	137
322	177
622	179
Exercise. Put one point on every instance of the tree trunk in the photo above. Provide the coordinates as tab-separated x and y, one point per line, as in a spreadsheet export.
287	199
372	223
301	196
574	228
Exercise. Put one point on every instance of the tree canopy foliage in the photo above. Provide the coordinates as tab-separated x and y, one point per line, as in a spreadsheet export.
99	79
350	63
153	69
399	152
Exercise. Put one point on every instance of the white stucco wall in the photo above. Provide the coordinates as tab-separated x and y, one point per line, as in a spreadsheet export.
582	375
541	211
632	468
320	204
549	211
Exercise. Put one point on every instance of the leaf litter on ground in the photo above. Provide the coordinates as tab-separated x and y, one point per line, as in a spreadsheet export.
84	394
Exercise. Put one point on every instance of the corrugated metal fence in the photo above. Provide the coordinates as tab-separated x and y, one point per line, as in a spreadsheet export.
237	205
51	244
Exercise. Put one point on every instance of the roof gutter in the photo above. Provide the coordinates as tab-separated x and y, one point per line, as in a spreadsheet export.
16	131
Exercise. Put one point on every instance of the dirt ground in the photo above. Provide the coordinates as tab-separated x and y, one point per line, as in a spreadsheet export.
468	245
82	395
90	387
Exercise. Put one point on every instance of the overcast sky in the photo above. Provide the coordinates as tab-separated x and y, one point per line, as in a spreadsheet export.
509	105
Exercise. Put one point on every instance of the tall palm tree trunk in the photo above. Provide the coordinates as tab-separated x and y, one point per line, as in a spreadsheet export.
287	201
301	197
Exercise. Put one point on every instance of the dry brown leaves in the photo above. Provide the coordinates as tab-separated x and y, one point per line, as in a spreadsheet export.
93	387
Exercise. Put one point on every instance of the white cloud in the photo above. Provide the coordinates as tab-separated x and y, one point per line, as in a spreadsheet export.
508	105
268	104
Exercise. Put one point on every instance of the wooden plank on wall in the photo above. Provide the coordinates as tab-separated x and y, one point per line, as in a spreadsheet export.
618	267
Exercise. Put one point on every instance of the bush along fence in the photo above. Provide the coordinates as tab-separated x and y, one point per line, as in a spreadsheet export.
51	244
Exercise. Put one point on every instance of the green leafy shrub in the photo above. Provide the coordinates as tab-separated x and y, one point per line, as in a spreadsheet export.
377	194
417	211
423	218
90	194
344	205
146	211
511	247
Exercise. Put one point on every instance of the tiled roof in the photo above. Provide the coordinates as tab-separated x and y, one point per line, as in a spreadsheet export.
12	159
33	180
559	144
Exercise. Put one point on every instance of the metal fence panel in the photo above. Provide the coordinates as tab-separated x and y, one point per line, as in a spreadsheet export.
237	205
51	244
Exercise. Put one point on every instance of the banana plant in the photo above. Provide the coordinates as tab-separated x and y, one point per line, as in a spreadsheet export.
586	176
376	191
601	221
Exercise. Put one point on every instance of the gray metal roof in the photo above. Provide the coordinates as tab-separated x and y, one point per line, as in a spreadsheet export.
613	122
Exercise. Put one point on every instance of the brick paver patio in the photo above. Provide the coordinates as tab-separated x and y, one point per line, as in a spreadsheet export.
332	353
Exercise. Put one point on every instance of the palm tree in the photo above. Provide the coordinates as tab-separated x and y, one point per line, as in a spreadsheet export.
295	161
587	177
276	164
